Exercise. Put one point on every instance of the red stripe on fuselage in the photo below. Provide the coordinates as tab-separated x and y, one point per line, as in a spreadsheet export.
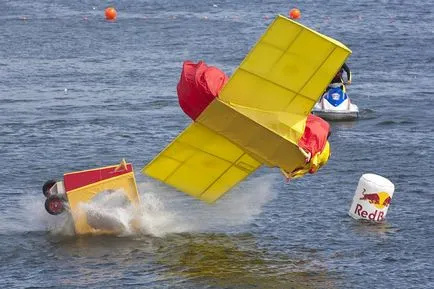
80	179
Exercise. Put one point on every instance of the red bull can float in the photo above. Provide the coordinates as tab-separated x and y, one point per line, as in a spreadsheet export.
372	198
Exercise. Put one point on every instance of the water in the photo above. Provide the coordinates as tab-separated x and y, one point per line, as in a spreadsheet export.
120	102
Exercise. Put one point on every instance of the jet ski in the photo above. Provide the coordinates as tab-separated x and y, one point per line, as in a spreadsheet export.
336	105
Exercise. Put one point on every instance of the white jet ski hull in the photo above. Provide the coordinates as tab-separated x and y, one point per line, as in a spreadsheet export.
337	115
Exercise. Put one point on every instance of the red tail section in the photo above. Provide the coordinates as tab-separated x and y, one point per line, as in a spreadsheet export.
198	86
315	134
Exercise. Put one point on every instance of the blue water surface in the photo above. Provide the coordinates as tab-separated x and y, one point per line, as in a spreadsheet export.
78	92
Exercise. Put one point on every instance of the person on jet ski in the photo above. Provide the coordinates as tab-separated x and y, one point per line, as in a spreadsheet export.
338	79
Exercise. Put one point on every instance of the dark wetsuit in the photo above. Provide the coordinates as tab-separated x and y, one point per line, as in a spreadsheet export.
338	76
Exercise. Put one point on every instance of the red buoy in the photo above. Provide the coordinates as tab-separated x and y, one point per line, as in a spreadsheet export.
110	13
294	13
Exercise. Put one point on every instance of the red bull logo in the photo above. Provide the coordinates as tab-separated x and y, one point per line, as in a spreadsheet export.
380	200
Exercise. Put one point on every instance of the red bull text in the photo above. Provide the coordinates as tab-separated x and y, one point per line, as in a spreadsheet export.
374	216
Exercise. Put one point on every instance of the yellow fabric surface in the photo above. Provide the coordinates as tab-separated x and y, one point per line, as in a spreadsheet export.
201	163
287	70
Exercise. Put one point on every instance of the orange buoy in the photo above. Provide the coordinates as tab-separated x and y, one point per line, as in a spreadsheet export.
294	13
110	13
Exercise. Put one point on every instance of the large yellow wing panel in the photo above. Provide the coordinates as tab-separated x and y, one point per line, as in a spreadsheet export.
201	163
287	70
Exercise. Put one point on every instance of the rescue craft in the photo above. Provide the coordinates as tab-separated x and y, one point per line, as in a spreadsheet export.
335	105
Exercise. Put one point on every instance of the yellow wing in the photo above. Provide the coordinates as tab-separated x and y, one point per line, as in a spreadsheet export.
275	88
287	70
201	163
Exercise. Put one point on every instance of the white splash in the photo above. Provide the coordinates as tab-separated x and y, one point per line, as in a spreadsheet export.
167	211
29	215
162	211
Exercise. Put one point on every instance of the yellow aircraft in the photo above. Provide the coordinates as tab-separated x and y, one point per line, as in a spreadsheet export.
260	116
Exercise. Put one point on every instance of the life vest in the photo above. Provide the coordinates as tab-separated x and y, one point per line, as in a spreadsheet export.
338	76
